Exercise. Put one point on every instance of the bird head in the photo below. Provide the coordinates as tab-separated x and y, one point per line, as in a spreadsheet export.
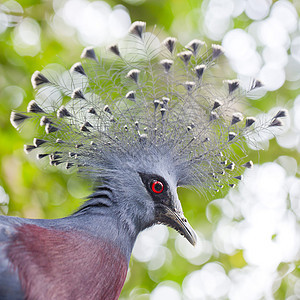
144	118
145	185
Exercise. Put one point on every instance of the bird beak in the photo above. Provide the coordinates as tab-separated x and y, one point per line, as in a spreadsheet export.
175	219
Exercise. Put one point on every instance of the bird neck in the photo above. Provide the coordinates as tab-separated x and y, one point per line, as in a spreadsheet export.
103	217
106	227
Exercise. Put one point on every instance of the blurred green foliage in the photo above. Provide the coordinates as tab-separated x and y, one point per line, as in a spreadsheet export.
39	191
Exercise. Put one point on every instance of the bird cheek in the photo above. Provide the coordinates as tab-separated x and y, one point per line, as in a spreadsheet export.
165	201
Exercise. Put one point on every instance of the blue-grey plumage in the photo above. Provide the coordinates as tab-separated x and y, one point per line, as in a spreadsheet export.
10	287
138	121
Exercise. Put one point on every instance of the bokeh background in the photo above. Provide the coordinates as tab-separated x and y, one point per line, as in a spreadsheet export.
249	237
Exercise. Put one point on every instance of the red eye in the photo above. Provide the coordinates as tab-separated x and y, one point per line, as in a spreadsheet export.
157	187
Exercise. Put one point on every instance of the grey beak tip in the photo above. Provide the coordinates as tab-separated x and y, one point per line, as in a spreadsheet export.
194	239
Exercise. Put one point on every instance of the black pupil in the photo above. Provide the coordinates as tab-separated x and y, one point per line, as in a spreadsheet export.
158	186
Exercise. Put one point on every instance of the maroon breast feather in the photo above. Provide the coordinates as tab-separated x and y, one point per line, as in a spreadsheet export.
55	264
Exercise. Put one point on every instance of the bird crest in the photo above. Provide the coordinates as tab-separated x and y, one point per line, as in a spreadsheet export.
144	101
